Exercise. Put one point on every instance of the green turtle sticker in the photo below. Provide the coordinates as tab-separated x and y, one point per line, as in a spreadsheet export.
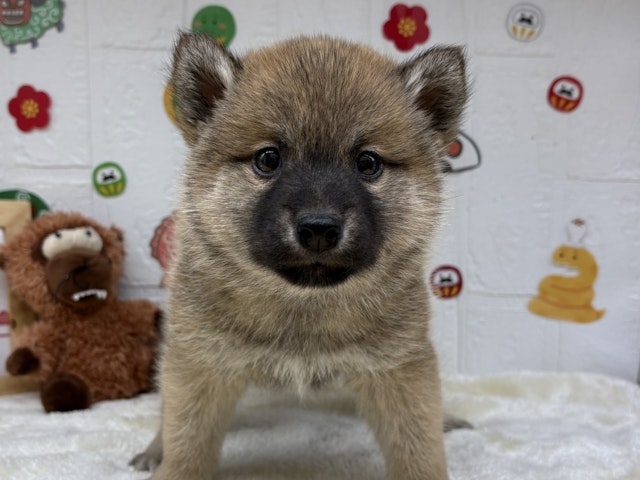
217	22
109	179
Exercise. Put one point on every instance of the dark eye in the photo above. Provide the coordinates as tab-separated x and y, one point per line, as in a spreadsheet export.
369	165
266	161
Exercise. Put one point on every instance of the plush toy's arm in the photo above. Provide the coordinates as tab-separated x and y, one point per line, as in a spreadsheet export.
40	347
22	361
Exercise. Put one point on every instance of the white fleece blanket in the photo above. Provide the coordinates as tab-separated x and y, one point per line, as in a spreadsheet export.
528	426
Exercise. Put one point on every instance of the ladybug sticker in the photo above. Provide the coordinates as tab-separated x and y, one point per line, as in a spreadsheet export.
109	179
446	282
565	94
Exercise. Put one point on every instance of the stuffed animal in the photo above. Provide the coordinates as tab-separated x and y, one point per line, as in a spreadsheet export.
87	345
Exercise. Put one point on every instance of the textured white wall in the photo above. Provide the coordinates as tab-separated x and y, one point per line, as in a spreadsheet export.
106	71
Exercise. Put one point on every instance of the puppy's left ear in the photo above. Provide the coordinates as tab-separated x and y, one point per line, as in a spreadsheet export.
436	83
201	74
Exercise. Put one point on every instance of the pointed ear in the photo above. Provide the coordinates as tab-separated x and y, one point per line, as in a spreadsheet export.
201	73
437	84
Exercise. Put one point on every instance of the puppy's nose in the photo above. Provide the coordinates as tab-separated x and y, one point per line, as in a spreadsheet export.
318	232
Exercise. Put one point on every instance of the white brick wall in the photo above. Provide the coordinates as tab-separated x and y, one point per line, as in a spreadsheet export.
105	74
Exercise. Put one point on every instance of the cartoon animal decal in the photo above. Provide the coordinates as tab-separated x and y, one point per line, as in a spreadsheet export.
23	21
569	297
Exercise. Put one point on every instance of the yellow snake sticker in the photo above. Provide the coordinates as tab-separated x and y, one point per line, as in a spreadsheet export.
569	297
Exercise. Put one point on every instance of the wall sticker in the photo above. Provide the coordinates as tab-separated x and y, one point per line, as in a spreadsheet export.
25	21
524	22
406	26
569	297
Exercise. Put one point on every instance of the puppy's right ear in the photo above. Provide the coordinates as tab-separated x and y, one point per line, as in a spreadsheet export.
3	259
202	72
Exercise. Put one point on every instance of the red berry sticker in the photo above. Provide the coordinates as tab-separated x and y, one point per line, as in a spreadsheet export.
565	94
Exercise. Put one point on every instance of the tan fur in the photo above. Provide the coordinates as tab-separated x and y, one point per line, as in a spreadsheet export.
232	322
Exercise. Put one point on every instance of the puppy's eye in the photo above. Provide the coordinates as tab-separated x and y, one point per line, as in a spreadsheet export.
266	162
369	165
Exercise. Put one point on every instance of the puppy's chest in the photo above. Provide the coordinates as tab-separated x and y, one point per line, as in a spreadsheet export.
306	358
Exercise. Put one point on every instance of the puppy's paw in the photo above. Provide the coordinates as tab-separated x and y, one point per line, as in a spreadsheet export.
145	461
454	423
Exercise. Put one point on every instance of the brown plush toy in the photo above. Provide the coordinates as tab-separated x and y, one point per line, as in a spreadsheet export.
87	345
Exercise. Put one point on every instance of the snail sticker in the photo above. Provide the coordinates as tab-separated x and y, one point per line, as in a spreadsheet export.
109	179
524	22
25	21
162	245
217	22
565	94
569	297
463	154
446	282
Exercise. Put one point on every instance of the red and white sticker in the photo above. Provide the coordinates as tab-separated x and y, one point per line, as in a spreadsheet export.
565	94
446	282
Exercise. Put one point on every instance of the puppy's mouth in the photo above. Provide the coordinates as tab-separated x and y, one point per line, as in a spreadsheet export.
315	275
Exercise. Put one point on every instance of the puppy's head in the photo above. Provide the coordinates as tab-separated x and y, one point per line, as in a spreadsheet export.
316	160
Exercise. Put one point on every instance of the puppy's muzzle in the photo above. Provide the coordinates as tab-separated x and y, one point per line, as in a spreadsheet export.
318	232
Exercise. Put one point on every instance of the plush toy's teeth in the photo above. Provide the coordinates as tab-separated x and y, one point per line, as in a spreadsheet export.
93	292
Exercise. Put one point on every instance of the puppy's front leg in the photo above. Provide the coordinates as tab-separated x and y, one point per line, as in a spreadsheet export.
403	408
198	406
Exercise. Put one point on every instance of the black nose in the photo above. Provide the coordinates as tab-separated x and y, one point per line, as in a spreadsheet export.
318	232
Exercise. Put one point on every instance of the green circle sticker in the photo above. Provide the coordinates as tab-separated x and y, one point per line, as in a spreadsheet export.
109	179
217	22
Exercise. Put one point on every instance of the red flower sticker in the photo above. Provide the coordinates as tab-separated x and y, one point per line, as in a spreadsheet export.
30	108
406	27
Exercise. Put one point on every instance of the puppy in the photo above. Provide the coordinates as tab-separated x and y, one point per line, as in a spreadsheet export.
307	209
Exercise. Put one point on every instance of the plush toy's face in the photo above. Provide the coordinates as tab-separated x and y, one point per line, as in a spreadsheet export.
64	260
78	273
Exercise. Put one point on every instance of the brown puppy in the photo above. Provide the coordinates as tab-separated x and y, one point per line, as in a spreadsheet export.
306	214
